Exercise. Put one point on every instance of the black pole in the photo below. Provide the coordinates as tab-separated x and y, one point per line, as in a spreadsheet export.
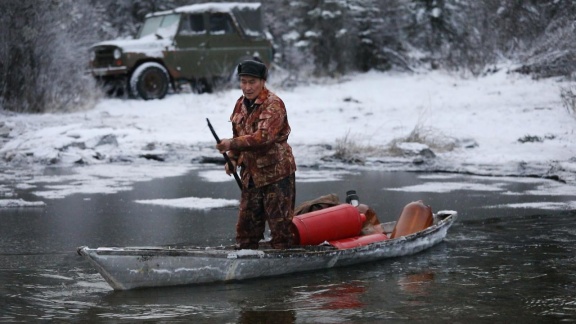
226	157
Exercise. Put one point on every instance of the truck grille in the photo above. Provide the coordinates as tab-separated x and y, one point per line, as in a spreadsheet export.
104	57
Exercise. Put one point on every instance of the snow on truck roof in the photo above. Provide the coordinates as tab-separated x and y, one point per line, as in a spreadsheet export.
210	6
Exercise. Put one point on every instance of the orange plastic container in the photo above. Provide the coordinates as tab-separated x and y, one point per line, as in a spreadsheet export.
415	217
333	223
352	242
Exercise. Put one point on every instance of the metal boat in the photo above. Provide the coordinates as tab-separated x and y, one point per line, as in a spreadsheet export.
157	266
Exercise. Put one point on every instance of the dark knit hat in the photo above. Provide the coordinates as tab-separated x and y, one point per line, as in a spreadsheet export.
253	68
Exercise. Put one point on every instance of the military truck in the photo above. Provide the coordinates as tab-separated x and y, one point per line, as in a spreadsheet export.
199	44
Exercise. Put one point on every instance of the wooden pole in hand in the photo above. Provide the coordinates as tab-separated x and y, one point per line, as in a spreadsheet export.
226	157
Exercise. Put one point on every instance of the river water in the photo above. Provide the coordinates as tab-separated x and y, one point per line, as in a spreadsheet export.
498	264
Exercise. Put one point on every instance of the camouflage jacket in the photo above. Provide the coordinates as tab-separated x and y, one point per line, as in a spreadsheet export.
260	141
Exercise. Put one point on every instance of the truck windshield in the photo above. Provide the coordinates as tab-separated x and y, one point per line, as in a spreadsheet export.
164	26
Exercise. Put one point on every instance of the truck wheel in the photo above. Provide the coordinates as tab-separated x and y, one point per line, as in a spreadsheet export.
149	81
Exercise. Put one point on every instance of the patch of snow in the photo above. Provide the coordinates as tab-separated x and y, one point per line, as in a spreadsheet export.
191	202
245	252
12	203
443	187
541	205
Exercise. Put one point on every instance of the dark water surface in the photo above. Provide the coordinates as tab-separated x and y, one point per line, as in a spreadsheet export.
497	264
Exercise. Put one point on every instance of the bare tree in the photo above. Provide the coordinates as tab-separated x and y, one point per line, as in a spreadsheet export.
44	53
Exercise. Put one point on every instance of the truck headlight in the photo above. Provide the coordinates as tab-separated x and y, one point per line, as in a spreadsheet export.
92	55
117	53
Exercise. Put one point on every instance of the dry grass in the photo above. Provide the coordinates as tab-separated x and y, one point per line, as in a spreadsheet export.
428	136
569	99
349	150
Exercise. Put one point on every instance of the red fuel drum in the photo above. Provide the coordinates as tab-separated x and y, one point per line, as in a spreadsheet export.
357	241
415	217
333	223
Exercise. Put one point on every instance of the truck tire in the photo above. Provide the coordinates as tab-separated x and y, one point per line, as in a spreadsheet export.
150	81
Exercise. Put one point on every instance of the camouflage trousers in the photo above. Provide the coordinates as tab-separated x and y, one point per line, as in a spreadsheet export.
273	203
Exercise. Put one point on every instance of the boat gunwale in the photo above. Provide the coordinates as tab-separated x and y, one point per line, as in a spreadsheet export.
228	252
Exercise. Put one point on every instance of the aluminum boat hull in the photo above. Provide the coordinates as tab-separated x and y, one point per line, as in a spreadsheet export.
138	267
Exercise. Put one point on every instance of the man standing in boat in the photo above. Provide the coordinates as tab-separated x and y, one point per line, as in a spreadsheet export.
259	146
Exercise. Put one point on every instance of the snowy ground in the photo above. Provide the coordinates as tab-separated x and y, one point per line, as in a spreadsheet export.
501	125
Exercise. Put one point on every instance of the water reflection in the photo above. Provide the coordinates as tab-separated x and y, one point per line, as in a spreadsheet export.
249	316
416	284
347	295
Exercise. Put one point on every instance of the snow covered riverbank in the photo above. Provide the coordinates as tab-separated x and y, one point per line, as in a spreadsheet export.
501	125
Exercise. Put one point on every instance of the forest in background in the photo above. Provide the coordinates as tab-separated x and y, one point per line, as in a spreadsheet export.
44	44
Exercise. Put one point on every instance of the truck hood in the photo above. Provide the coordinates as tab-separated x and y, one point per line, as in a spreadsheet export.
150	45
